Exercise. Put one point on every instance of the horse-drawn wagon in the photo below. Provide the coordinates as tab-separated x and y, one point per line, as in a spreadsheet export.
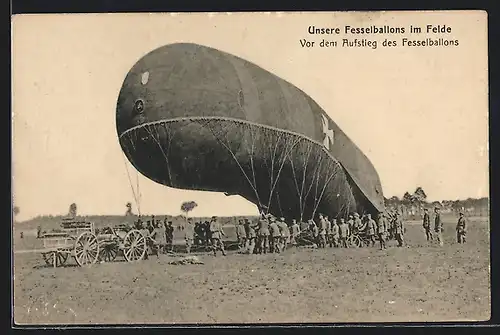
87	246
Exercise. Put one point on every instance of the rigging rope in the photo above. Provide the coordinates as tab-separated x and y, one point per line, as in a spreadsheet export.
136	199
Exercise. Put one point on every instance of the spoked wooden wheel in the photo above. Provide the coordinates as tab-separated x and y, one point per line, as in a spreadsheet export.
86	249
134	246
354	241
108	252
61	258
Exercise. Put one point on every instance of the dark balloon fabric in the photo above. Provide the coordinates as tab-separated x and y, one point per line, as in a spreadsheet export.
193	117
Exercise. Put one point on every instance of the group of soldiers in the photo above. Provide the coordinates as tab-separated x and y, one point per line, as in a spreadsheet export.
461	228
274	235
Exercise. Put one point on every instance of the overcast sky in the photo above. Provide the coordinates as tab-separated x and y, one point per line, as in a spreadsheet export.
419	114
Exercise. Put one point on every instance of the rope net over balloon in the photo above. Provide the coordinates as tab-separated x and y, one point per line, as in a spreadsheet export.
275	165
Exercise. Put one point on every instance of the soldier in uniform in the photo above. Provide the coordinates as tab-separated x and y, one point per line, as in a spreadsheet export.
438	226
263	234
295	232
169	236
250	233
189	235
217	233
285	234
343	233
461	228
328	231
314	231
382	230
275	236
370	229
357	223
399	230
350	223
322	231
427	224
241	235
335	233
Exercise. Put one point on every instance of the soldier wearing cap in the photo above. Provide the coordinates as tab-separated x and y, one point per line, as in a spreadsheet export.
350	223
438	226
275	236
322	231
295	232
263	234
189	235
285	234
328	231
461	228
357	223
335	233
382	230
217	233
241	235
250	233
399	230
370	229
427	224
344	233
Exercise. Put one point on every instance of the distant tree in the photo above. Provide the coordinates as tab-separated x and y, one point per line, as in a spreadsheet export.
72	210
419	195
129	209
188	206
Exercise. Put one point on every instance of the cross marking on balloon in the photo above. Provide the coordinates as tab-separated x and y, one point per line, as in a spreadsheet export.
329	134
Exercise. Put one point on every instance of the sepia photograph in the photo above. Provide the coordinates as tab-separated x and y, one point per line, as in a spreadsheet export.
250	168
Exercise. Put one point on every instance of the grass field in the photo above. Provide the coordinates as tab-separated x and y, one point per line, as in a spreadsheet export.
422	282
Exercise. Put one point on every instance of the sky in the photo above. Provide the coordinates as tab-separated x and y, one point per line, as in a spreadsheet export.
420	114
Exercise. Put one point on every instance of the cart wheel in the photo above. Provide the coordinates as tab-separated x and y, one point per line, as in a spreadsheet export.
355	241
86	249
134	246
61	258
108	252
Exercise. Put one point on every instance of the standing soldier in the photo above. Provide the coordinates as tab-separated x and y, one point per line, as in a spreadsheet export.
295	232
314	230
241	235
263	235
38	231
161	237
344	233
250	232
461	228
322	231
328	231
370	229
438	226
427	225
285	234
399	230
382	230
189	235
169	234
357	223
275	236
217	233
335	233
206	233
350	223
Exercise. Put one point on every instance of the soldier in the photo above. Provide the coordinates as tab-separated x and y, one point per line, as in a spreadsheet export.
275	236
335	233
38	231
314	231
461	228
399	230
145	232
350	223
357	223
160	239
343	233
241	235
328	231
295	232
217	233
263	234
250	233
438	226
169	236
285	234
206	233
370	229
382	230
427	225
189	235
322	231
